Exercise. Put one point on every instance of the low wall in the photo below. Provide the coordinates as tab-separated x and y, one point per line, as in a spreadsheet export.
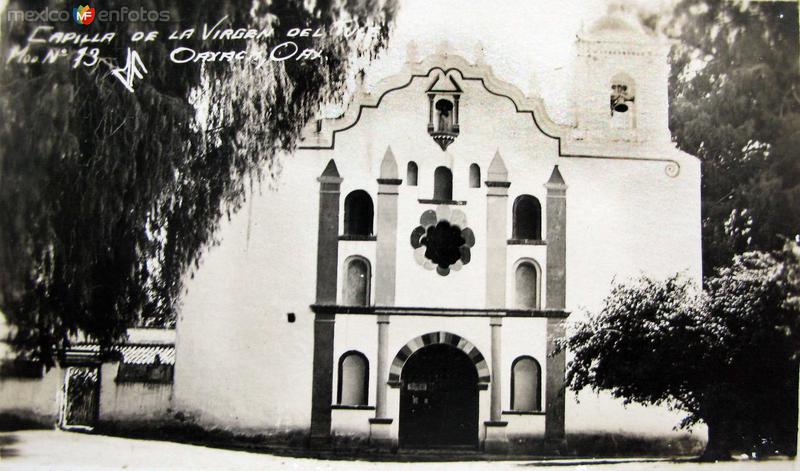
132	401
38	401
31	401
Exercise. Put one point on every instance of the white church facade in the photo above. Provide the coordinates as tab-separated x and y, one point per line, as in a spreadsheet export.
406	281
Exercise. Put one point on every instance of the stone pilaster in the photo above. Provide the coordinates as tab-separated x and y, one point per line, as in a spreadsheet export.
383	366
328	234
386	249
385	280
327	265
496	222
555	438
380	427
322	380
497	369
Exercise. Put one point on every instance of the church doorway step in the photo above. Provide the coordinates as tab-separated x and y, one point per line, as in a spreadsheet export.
439	399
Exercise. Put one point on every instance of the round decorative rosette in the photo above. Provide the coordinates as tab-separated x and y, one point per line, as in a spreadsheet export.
442	240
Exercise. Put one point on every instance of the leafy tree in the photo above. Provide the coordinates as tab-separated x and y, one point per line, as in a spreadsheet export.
735	103
108	198
721	356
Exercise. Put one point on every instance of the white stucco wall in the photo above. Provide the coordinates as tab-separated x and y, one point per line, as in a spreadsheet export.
132	401
42	399
241	365
238	360
38	399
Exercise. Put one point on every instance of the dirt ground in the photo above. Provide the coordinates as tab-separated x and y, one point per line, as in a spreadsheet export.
49	449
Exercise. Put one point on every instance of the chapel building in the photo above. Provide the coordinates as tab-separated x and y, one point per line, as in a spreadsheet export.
406	280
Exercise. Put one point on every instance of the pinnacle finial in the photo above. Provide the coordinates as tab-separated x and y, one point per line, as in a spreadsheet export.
556	178
412	52
443	47
330	170
389	165
533	86
497	169
480	53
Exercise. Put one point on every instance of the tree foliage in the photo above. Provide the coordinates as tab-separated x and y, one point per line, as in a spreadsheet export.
735	103
107	198
720	355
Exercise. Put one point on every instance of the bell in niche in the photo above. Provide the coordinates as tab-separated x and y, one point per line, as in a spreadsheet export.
621	98
444	109
443	98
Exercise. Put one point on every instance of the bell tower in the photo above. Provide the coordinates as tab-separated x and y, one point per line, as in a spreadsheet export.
621	79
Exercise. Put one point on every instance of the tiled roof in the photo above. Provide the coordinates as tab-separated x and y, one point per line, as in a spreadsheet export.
84	347
143	354
146	354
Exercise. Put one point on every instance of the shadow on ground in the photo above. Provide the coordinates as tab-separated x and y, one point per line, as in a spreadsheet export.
7	449
603	461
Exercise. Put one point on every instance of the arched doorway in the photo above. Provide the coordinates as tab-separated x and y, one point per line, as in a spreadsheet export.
439	399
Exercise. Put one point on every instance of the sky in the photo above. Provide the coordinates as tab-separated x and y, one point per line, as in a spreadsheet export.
524	41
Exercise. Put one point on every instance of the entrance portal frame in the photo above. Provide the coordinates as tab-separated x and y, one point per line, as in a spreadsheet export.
440	337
